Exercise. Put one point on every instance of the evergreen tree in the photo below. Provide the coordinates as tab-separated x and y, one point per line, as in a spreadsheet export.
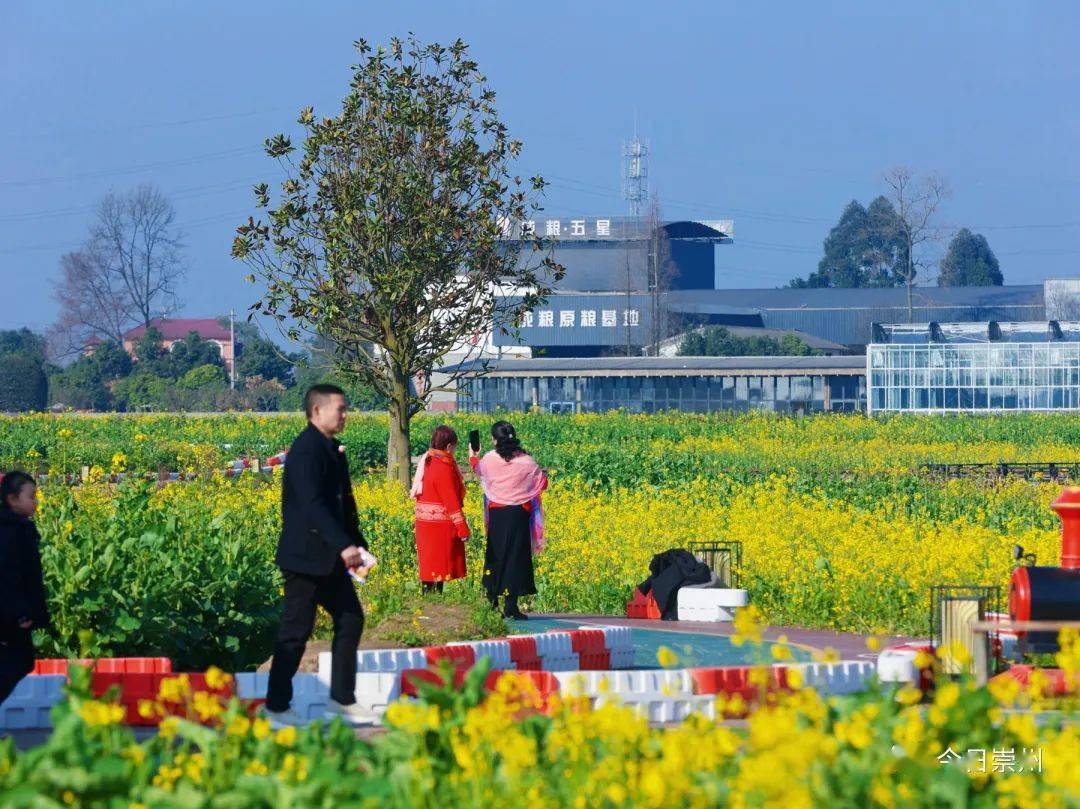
111	361
261	358
192	352
23	341
148	348
969	262
81	385
23	384
883	256
863	249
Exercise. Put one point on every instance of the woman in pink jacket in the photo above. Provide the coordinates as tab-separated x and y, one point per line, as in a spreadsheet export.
512	482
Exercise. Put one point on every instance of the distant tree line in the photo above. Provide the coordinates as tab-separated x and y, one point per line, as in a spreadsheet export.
127	273
889	243
718	341
192	376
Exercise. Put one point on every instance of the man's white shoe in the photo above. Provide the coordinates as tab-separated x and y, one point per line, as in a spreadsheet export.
284	719
351	714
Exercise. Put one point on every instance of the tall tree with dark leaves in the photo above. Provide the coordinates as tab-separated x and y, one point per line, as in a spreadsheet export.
969	262
400	223
260	357
883	257
840	266
192	352
862	249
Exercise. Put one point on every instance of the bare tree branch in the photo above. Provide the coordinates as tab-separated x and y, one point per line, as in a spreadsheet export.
125	274
136	239
917	202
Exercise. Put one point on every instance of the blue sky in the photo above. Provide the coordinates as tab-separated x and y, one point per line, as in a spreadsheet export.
772	114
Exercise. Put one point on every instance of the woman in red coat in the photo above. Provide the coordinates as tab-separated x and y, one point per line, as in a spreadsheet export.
441	529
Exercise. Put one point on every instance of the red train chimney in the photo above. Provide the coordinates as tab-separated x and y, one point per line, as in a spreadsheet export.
1067	507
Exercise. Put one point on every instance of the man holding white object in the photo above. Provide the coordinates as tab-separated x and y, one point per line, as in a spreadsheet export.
320	544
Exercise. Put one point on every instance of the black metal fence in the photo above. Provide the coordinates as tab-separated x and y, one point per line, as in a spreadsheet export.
723	558
1050	471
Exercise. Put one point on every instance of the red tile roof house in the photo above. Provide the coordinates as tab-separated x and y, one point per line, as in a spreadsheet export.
174	330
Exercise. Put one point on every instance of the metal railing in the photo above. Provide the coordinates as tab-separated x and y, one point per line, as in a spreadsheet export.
723	558
981	630
1051	471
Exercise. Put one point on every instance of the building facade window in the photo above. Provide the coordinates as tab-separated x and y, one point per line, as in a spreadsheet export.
974	377
657	393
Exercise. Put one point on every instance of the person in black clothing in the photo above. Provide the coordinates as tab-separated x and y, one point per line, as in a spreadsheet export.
23	608
320	542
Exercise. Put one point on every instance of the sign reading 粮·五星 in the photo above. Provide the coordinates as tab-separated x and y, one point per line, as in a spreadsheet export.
585	228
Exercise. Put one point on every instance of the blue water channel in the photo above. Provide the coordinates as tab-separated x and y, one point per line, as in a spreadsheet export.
692	648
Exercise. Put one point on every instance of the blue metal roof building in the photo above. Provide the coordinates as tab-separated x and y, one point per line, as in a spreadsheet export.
589	322
608	298
847	315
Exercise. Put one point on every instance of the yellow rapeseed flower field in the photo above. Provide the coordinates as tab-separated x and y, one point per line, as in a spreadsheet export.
839	526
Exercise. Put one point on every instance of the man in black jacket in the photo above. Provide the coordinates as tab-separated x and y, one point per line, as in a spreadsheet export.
22	608
320	542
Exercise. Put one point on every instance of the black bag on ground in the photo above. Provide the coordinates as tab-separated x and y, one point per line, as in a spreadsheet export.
669	571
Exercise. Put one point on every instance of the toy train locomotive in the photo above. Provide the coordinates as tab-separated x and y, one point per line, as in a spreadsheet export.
1039	593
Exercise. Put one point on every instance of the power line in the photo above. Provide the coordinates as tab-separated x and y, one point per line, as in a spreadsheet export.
164	124
586	187
184	193
192	223
788	248
186	161
1036	226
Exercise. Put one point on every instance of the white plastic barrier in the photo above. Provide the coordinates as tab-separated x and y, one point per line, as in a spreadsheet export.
29	705
620	643
556	651
709	604
497	650
311	697
656	684
616	637
375	690
374	660
553	644
897	663
661	709
845	677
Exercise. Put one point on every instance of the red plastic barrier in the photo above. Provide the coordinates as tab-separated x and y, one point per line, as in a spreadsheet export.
136	687
455	654
523	653
412	678
594	661
642	606
733	680
1057	682
591	650
587	640
108	665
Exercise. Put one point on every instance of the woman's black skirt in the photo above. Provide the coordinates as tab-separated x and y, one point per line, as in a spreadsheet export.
508	568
